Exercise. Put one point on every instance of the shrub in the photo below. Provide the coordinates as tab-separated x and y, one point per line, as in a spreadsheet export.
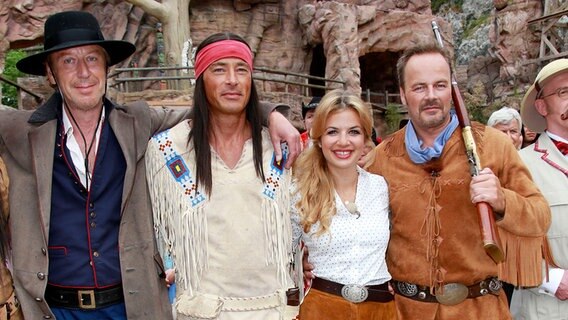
9	92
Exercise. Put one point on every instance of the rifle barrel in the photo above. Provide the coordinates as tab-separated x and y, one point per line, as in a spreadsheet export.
489	234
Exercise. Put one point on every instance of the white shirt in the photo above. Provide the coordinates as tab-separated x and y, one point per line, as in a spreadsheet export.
353	251
76	153
556	137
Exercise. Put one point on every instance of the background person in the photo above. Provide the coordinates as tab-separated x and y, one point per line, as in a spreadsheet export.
545	110
82	230
341	213
508	121
529	136
308	111
220	197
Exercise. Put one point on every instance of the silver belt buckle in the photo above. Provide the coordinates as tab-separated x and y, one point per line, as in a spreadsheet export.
454	293
354	293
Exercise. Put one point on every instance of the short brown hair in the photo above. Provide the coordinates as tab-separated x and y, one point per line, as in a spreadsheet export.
421	48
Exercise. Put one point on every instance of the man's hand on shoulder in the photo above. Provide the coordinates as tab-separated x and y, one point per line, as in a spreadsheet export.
282	130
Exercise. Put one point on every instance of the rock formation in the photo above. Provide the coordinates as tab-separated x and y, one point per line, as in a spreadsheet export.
514	43
359	40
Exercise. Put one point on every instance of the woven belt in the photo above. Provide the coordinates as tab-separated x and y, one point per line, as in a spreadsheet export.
354	293
251	303
9	307
453	293
83	298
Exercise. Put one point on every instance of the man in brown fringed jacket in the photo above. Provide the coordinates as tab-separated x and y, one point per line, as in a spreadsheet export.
9	305
436	255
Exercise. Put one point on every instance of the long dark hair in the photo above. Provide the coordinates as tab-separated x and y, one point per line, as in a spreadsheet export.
200	122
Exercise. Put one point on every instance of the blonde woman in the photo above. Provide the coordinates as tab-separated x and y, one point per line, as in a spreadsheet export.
340	212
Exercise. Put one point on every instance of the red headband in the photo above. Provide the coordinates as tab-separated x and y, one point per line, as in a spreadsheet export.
219	50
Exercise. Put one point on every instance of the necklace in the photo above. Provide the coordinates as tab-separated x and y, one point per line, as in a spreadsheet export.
87	149
352	208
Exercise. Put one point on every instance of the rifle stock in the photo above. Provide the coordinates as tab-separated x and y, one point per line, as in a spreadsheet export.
490	237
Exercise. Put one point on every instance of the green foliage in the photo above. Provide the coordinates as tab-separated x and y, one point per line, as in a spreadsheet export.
472	25
476	103
436	5
392	118
9	92
476	113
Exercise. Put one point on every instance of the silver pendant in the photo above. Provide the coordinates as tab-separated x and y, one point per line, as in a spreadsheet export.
352	208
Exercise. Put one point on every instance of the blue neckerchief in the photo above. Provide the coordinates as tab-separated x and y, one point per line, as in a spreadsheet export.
413	144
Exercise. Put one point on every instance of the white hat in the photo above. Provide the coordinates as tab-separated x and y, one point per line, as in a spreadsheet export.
531	118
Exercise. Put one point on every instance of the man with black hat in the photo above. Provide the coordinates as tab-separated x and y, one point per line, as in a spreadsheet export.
545	110
82	230
308	111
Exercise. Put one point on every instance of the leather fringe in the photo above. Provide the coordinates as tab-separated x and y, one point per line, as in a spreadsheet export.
181	230
524	257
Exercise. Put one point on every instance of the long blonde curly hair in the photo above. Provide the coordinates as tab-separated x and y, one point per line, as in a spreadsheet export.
314	184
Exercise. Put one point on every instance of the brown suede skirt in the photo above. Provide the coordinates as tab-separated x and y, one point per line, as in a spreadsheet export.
320	305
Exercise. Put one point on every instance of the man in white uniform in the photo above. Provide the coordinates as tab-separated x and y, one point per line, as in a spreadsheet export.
545	109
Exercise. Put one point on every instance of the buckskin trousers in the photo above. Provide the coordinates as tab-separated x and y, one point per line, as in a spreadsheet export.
320	305
488	307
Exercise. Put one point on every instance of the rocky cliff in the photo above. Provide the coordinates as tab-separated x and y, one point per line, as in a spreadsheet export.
495	44
353	42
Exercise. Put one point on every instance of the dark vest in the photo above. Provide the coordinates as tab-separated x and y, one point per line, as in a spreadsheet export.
84	226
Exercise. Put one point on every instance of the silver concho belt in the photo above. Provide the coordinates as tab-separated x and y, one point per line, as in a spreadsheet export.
452	293
354	293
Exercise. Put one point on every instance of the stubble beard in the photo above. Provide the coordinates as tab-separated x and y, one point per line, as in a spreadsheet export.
436	120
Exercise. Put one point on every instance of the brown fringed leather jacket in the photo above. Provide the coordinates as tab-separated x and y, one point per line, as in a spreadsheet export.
434	198
9	306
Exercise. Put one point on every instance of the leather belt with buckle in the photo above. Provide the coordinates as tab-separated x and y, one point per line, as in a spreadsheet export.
453	293
353	292
83	298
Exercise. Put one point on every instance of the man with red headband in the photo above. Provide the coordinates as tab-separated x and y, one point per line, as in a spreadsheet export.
81	222
220	197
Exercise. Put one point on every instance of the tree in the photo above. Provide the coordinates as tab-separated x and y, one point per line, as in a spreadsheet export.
174	16
392	118
9	92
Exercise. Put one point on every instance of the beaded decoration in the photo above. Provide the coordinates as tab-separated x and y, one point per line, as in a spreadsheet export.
275	175
179	169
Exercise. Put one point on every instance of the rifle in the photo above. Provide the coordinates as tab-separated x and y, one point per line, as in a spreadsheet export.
490	237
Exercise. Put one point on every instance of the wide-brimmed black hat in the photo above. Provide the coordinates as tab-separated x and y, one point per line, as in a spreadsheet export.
310	106
73	29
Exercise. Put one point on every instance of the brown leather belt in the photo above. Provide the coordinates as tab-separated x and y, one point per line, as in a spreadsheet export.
453	293
83	298
354	293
